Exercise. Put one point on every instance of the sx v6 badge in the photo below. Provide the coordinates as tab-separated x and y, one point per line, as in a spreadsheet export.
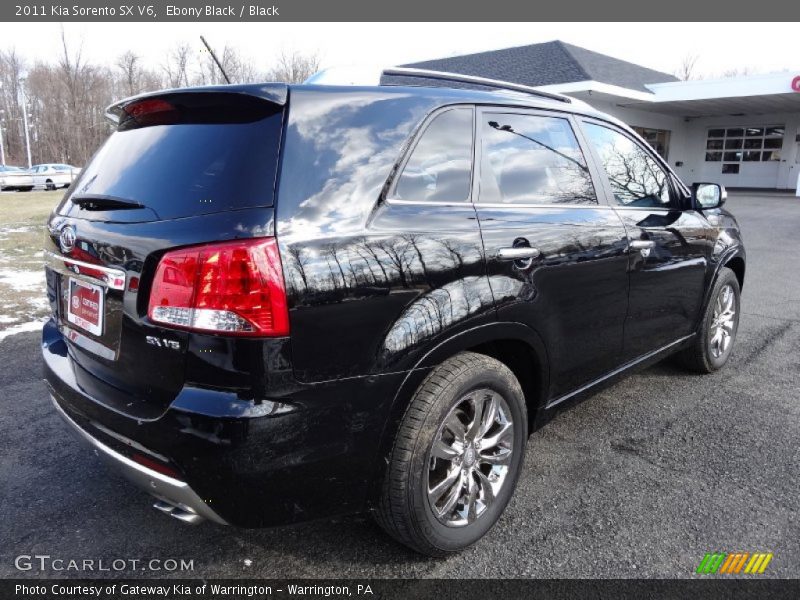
163	342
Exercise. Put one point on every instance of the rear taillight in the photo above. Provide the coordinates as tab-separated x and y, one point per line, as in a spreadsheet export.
231	287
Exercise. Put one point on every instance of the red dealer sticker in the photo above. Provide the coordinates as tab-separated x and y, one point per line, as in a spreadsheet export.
796	84
85	308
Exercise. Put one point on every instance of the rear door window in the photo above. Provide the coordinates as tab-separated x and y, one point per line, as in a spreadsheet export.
532	159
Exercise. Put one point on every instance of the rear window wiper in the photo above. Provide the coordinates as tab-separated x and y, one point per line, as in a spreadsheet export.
99	202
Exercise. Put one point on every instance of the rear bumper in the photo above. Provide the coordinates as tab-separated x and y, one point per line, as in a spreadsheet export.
173	491
314	454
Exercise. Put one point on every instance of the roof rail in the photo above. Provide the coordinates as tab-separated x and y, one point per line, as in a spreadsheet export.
457	77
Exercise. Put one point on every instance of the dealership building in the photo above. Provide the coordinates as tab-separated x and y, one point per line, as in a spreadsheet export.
742	132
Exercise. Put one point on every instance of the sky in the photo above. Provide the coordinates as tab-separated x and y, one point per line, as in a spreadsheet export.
757	47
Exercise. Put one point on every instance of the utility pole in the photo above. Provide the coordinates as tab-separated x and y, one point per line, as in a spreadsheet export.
25	120
2	149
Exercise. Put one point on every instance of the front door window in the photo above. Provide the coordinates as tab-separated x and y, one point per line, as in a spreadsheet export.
636	179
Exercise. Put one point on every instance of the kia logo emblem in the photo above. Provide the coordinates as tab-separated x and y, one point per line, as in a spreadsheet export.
67	239
796	84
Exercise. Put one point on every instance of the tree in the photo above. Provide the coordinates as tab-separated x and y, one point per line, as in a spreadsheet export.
134	78
687	68
176	68
65	98
737	72
294	67
12	66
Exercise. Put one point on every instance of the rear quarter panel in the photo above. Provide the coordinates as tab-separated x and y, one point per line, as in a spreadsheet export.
372	284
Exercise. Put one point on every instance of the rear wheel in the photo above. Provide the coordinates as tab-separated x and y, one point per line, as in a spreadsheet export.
714	341
49	185
27	188
457	456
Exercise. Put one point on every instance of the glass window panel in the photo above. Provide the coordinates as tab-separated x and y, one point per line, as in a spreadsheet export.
730	169
731	156
635	177
657	138
752	155
770	143
440	168
771	155
716	133
532	159
754	132
753	144
714	145
734	144
713	156
734	132
776	131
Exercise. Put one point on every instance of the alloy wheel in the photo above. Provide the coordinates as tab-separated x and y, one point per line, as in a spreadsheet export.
470	458
723	322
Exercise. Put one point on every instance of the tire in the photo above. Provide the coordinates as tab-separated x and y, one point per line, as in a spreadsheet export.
713	344
49	186
442	409
27	188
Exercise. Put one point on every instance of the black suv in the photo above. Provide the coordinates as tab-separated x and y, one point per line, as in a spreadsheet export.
274	302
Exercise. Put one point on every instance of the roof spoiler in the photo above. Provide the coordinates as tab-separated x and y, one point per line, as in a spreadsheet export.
473	80
273	93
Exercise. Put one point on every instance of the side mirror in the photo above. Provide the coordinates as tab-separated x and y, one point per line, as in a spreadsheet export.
708	195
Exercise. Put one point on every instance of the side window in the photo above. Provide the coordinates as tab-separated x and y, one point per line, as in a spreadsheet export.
636	178
440	166
532	159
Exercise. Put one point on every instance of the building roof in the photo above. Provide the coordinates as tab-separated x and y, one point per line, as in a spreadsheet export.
549	63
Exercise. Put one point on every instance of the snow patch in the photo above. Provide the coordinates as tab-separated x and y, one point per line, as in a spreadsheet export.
16	230
21	328
39	303
22	281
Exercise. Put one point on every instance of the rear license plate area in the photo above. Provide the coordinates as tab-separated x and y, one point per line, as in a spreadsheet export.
85	306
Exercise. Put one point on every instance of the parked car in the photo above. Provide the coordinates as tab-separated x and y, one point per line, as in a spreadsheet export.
15	178
52	176
210	335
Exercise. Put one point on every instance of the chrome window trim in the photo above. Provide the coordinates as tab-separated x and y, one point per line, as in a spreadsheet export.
496	204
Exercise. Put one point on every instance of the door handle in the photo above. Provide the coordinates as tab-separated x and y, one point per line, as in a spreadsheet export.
517	253
642	244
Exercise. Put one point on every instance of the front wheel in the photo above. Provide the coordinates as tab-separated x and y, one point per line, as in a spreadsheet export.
714	341
457	456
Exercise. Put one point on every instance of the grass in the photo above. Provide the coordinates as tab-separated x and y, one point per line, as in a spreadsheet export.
22	291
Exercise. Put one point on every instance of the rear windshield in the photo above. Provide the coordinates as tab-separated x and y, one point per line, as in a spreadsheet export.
183	169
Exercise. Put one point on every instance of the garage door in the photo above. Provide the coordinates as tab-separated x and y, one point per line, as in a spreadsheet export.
744	156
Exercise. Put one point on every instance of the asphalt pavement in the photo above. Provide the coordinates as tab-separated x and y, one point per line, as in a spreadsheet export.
640	480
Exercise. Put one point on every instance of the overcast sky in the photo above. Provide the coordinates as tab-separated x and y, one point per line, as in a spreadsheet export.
759	47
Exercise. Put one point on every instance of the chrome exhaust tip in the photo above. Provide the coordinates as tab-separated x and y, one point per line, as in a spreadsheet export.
179	513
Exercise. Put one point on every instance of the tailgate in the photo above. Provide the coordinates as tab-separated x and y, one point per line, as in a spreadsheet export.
191	175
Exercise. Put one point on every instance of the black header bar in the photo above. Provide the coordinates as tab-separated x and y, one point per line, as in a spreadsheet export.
405	10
